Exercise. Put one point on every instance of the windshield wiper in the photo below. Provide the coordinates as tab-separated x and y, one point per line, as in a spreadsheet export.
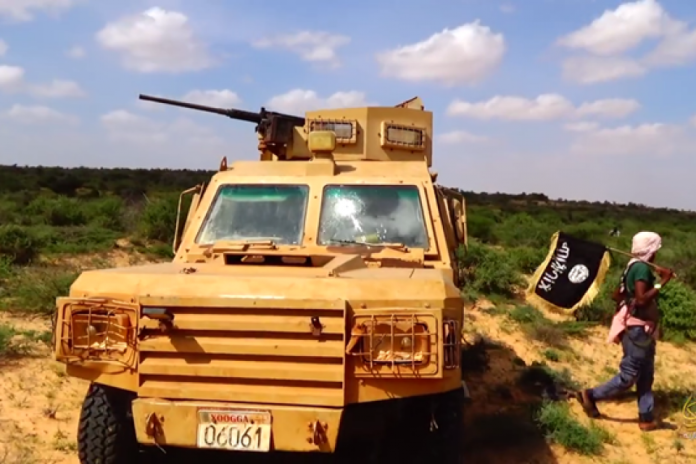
240	245
398	246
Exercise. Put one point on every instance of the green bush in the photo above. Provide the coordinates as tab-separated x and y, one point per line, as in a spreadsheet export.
481	227
17	244
57	211
678	307
527	259
66	240
592	231
158	219
106	213
523	230
35	289
488	270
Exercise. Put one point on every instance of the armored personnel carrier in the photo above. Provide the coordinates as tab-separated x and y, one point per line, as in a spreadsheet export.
312	305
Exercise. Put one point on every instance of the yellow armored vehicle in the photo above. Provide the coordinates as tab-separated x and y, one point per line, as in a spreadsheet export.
312	304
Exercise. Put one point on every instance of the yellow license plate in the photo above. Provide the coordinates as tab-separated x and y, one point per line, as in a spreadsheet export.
234	430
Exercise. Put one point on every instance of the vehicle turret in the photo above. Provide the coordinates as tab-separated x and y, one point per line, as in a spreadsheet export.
371	133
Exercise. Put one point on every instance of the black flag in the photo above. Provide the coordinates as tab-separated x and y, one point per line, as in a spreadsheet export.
571	275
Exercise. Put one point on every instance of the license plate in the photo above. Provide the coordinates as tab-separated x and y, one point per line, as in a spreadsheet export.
234	430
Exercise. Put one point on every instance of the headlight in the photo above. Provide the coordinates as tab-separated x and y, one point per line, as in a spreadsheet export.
97	330
391	339
399	342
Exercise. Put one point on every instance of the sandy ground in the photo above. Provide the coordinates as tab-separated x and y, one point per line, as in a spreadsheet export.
39	405
590	361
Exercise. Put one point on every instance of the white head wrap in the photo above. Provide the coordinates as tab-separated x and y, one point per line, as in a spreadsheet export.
645	245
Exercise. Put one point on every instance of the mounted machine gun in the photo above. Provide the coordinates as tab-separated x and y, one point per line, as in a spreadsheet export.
275	130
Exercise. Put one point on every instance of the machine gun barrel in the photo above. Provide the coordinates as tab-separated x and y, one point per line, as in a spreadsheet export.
230	113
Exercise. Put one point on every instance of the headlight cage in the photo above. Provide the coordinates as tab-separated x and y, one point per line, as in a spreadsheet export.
409	341
99	330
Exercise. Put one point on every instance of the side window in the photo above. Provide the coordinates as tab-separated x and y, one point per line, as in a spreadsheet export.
373	214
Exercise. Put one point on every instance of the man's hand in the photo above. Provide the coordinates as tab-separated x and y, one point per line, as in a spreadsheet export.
666	274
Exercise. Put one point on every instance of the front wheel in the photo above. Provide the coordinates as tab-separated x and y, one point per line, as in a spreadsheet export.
106	434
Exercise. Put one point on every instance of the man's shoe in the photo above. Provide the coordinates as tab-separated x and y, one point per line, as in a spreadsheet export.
588	404
648	426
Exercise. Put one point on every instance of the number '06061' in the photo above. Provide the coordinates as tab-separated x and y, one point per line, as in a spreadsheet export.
231	437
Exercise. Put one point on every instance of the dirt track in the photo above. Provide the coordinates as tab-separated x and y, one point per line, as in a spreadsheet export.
39	405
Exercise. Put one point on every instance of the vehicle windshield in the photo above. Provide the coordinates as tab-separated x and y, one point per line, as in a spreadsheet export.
256	212
372	214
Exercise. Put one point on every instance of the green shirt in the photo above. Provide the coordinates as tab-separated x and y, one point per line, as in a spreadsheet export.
639	271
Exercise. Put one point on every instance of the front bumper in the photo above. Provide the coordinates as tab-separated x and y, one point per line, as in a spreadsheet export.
176	423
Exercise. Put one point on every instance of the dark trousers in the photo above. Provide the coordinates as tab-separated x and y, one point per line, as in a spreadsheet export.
637	367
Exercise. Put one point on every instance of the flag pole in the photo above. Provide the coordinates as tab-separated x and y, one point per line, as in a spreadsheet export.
630	255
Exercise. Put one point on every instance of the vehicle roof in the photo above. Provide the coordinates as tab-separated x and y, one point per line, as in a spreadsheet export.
344	169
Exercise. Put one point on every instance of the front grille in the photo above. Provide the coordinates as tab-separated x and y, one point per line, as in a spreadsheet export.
256	355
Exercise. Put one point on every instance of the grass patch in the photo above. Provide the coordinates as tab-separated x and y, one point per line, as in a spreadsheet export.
35	289
15	342
560	426
551	355
538	327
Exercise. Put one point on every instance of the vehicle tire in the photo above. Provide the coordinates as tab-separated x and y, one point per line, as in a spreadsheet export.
106	434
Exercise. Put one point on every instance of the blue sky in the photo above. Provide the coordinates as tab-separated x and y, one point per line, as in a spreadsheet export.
580	99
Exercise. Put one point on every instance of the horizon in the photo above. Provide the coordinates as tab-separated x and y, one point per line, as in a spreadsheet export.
579	100
474	192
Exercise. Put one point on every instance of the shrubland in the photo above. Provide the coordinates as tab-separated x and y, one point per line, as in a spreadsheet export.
52	212
49	215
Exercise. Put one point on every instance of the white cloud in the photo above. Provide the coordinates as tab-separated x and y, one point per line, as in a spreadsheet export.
11	78
221	98
124	126
592	70
37	115
156	41
545	107
463	55
608	108
25	10
3	47
312	46
12	81
674	50
656	139
460	136
507	8
622	29
616	32
57	89
298	101
75	52
582	126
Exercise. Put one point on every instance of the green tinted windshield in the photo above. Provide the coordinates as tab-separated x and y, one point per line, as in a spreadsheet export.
373	213
256	212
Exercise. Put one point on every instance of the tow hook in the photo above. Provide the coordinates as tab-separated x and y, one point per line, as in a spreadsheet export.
318	430
153	428
316	326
